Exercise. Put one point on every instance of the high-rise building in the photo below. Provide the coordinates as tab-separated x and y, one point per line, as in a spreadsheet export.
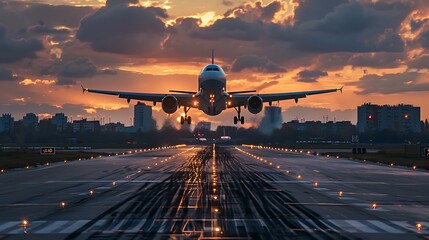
272	119
400	118
60	122
143	120
6	123
31	120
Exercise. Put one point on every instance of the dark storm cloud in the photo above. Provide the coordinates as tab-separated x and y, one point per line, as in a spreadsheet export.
7	75
417	24
77	68
310	76
124	29
419	63
261	64
17	15
423	39
255	12
310	10
65	81
233	28
349	27
13	50
42	29
110	3
391	83
377	60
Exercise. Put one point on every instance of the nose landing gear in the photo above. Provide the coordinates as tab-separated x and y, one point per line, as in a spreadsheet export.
238	117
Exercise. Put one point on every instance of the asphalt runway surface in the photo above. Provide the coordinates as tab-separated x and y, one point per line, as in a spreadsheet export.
214	192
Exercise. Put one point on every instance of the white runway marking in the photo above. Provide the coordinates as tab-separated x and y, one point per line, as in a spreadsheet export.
341	225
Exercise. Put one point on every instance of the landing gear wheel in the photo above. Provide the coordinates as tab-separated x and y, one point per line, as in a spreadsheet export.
238	118
182	120
189	120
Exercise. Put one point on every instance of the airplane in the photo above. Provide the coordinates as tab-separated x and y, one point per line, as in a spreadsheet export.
212	97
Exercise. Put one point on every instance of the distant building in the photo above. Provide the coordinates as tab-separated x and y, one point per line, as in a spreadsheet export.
6	123
272	119
113	127
314	127
31	120
203	126
143	120
86	126
399	118
60	122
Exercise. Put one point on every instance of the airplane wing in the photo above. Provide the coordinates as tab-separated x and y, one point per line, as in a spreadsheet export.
240	99
182	99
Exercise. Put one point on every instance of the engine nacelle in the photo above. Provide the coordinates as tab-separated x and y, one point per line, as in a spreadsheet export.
169	104
255	104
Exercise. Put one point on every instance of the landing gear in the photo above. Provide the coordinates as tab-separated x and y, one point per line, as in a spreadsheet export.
186	118
238	118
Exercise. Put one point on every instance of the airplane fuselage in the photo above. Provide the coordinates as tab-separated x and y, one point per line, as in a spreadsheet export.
212	95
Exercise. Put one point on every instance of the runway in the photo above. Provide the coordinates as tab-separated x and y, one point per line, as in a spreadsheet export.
213	192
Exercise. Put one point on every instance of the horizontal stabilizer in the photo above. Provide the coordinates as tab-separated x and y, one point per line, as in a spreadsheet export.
248	91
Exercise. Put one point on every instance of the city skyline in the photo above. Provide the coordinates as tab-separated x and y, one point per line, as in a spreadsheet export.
380	56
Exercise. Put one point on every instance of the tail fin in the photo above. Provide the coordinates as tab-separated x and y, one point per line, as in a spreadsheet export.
212	56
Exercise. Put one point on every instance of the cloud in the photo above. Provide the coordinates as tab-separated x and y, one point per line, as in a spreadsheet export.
82	67
78	68
251	12
7	75
233	28
42	29
350	27
13	50
310	10
391	83
310	76
377	60
27	81
227	3
123	3
264	85
65	81
124	29
261	64
419	63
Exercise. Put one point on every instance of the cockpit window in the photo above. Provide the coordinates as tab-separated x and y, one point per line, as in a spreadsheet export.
212	69
209	69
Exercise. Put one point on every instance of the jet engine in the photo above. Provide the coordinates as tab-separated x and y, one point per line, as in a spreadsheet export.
169	104
254	104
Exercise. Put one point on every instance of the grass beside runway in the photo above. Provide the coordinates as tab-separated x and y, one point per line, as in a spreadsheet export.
22	159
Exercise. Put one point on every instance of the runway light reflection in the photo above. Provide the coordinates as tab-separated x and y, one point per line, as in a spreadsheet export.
419	227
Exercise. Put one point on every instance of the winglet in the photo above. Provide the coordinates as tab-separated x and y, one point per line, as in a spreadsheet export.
84	89
340	89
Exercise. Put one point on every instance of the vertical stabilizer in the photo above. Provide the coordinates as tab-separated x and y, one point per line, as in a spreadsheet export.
212	56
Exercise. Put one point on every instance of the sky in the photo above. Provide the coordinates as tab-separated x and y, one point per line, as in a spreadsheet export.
377	50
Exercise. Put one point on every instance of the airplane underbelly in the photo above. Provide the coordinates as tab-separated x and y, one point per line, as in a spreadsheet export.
212	109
